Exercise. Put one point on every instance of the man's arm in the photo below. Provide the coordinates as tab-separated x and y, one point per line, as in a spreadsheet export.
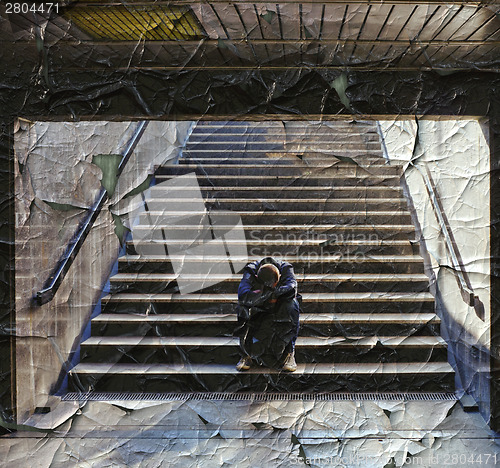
288	284
249	297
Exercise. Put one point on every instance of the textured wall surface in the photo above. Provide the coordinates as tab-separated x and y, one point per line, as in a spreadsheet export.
457	154
55	181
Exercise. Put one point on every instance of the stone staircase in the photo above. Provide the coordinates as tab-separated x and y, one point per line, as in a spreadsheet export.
319	195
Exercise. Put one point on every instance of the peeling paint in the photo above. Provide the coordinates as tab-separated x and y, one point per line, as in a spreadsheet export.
305	61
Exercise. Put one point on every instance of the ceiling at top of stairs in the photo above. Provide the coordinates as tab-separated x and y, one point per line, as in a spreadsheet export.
364	35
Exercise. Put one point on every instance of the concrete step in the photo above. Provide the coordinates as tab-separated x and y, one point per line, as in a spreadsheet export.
336	170
361	133
303	160
268	123
356	307
167	283
280	144
264	248
297	157
298	136
276	142
283	218
322	232
375	301
225	350
304	130
290	126
321	192
314	157
340	152
209	287
369	342
323	298
279	137
310	264
316	180
301	279
327	324
283	204
312	377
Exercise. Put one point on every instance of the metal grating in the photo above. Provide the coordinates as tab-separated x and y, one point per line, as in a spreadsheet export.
132	23
259	397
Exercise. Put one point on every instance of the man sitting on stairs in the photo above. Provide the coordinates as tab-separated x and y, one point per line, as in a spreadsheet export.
268	315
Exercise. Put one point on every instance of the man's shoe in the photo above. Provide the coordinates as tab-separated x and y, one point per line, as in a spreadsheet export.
289	365
244	364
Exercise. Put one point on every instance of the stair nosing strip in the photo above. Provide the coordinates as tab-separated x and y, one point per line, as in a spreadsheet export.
279	242
322	227
313	369
306	297
280	200
184	163
287	258
423	341
292	177
307	317
365	277
156	188
360	152
274	213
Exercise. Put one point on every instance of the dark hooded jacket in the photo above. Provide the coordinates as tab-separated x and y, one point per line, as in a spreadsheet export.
285	289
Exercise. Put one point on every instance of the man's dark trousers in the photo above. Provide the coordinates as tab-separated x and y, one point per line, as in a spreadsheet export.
268	334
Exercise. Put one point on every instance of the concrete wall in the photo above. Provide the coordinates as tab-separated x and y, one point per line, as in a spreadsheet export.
457	154
55	182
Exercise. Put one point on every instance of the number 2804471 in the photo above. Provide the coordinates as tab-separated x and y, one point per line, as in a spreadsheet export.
15	7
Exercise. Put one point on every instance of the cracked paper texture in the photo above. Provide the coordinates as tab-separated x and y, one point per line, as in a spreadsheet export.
55	181
275	434
457	155
60	167
378	434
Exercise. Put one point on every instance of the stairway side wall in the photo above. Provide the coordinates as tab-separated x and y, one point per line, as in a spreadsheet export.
55	181
457	154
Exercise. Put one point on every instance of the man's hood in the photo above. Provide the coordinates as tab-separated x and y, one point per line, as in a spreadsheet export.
270	260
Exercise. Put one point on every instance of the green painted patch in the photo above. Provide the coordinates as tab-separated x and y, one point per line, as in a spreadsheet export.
140	188
109	165
120	229
340	85
62	206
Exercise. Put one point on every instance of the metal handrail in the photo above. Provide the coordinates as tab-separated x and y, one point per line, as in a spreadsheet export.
466	289
52	284
461	275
